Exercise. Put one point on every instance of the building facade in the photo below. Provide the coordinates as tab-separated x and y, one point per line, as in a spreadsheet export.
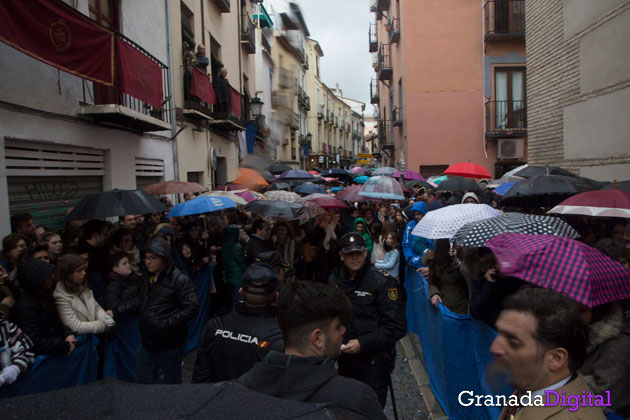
578	78
449	83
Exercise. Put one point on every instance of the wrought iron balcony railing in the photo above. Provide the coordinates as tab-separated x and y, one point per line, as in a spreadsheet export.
504	19
506	118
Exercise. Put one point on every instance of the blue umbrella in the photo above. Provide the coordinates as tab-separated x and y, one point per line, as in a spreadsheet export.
310	188
296	174
201	204
336	189
361	179
503	188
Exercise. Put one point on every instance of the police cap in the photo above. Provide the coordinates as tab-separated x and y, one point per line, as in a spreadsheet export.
262	276
352	242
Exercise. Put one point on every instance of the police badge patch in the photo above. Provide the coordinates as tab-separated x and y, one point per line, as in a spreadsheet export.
392	293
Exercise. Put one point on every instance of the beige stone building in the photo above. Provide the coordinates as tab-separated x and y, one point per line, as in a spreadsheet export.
578	81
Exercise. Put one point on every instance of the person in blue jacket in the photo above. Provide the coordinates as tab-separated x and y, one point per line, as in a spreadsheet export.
414	246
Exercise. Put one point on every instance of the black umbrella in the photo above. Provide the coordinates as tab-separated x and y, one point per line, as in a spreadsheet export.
622	186
278	168
115	203
275	209
424	184
113	400
532	171
458	183
279	186
310	188
545	191
267	175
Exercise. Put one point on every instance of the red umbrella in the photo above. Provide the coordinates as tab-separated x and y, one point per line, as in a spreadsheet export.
174	187
351	193
564	265
602	203
325	201
467	170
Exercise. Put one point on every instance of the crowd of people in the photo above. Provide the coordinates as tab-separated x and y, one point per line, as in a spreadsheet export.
287	297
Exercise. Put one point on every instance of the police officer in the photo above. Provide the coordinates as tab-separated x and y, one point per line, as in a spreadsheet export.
378	317
231	344
274	259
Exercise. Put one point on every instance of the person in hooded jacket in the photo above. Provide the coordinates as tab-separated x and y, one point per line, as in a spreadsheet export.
35	311
231	344
234	263
411	244
167	305
311	317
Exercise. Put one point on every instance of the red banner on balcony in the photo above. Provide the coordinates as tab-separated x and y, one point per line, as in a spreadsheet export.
139	75
235	102
56	34
201	86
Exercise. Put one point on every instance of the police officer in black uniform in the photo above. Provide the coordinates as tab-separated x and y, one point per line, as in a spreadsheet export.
231	344
378	317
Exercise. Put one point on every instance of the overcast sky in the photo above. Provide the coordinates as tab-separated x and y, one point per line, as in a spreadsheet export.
341	28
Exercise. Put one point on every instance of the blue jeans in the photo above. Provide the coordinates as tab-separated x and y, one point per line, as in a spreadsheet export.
169	360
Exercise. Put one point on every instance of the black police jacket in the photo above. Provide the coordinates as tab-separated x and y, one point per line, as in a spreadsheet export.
231	344
167	306
378	314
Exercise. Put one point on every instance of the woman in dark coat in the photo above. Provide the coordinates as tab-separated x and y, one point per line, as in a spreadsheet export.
446	283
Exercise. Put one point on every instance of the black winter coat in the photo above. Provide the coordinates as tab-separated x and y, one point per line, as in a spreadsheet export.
231	344
255	247
122	295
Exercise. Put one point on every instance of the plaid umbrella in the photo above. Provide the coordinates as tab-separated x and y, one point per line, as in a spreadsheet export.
275	209
564	265
478	233
382	187
386	171
325	201
351	193
445	222
311	209
288	196
603	203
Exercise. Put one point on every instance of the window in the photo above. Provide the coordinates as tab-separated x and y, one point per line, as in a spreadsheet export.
188	26
104	12
509	94
215	57
400	100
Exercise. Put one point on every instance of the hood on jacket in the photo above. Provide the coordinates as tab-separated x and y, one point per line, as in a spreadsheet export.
231	234
159	246
289	377
419	206
357	220
33	272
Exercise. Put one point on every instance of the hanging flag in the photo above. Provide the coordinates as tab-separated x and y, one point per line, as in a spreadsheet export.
139	75
235	102
60	36
201	86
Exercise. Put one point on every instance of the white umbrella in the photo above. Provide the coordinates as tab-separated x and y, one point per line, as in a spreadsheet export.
445	222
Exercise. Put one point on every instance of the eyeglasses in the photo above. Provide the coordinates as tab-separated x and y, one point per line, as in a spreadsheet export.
151	257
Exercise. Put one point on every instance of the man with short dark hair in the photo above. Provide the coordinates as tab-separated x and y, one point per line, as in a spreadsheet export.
258	241
95	235
541	345
23	223
231	344
311	317
274	259
378	320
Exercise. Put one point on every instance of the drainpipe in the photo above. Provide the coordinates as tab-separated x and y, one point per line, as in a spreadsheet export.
171	85
240	73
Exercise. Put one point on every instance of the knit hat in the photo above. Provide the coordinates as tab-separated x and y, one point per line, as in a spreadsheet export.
470	194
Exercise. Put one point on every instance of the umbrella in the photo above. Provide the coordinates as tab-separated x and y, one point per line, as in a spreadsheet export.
314	173
268	176
174	187
232	195
623	186
336	189
250	178
532	171
295	174
351	193
357	170
564	265
275	209
504	179
544	191
387	171
278	168
503	188
335	172
115	203
408	175
279	186
325	201
361	179
424	184
382	187
437	179
467	170
458	183
476	234
310	188
201	204
445	222
311	209
118	400
288	196
602	203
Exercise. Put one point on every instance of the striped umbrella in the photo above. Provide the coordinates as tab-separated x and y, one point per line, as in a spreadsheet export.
564	265
288	196
386	171
476	234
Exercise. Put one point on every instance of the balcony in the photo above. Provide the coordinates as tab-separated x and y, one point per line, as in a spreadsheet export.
303	99
222	5
397	117
384	70
384	136
295	121
320	113
248	35
374	99
379	6
504	20
506	119
228	112
112	105
394	30
265	43
373	38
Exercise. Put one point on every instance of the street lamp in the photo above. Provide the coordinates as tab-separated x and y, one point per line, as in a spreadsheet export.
256	105
309	137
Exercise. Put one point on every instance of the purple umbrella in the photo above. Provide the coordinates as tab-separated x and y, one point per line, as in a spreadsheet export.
564	265
296	174
409	175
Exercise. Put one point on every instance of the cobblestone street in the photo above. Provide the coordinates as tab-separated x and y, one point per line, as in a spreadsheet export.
409	400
